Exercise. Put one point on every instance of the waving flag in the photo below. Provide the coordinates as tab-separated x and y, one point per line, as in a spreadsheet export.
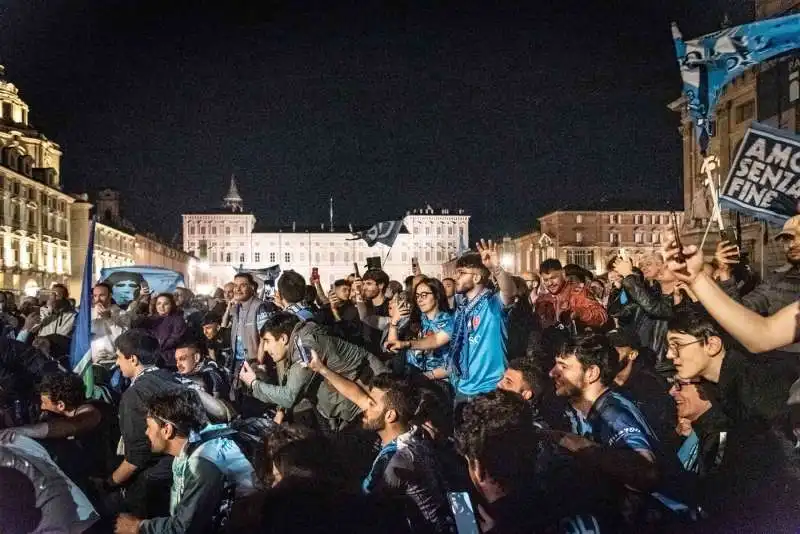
80	350
709	62
383	232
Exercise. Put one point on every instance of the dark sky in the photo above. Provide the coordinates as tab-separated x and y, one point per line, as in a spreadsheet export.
508	112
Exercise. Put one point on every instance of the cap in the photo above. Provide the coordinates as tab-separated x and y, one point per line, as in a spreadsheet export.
791	228
623	338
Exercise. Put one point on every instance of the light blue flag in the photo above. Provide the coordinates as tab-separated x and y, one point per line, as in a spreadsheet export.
709	62
127	282
80	349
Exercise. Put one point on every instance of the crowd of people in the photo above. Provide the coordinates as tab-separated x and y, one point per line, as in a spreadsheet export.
658	396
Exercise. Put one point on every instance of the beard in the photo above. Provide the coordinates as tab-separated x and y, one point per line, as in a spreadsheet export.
376	424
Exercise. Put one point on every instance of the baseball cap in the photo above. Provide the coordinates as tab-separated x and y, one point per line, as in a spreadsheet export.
791	228
623	338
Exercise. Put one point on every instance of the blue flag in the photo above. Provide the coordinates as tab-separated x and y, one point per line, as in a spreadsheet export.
127	282
80	350
709	62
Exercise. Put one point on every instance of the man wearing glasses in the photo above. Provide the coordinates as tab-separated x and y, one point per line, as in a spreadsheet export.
478	344
754	487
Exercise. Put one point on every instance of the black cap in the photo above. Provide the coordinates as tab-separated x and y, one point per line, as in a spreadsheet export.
624	337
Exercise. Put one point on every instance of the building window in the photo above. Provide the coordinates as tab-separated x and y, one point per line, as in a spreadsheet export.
449	230
578	237
302	257
191	230
427	230
213	230
613	237
227	257
637	237
746	111
287	257
272	257
213	257
427	256
332	257
638	219
241	229
257	257
241	258
227	230
583	258
317	257
346	257
202	230
656	237
438	230
579	219
613	218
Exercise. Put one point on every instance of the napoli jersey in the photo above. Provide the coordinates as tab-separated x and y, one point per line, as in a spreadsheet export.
616	422
483	353
430	360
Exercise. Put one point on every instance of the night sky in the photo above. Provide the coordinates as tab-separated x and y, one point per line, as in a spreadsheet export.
507	112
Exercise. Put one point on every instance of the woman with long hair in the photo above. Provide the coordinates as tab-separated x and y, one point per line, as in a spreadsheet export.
165	323
428	332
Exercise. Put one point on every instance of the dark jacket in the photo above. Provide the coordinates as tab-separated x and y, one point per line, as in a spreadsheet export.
296	382
348	327
169	330
647	311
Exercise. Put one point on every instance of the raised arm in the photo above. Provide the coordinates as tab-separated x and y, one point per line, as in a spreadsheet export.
756	333
491	260
347	388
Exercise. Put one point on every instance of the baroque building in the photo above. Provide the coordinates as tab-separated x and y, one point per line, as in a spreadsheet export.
229	238
34	211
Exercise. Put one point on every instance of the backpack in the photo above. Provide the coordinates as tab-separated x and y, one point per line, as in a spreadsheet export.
249	435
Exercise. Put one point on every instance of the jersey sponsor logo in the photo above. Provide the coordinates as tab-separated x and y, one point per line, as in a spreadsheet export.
476	322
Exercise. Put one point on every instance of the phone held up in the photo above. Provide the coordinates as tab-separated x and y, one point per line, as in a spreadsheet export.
729	235
303	351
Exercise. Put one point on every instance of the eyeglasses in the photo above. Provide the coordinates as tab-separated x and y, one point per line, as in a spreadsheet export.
679	383
675	348
423	295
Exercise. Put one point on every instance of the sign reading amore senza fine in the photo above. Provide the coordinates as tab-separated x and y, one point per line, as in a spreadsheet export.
764	178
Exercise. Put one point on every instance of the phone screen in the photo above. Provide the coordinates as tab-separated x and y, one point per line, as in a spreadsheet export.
676	231
305	354
464	514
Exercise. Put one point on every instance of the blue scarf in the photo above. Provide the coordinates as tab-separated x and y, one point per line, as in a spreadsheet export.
303	313
461	330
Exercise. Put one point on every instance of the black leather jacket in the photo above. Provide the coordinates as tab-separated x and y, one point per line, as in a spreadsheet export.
647	311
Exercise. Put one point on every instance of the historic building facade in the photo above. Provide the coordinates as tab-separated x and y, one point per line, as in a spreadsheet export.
34	211
587	238
230	238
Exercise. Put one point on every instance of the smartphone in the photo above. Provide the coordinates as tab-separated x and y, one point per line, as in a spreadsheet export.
463	512
402	299
679	256
314	273
355	270
302	350
729	235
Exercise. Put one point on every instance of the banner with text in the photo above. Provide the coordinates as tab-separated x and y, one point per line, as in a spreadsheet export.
764	177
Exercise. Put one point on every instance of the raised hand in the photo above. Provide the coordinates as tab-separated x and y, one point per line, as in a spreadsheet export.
623	266
315	364
489	254
685	264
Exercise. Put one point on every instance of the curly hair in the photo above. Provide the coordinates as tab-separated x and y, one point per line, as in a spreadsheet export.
64	387
496	430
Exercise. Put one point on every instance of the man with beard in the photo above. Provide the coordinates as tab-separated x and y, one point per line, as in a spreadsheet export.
248	316
610	433
564	301
370	298
406	466
478	345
